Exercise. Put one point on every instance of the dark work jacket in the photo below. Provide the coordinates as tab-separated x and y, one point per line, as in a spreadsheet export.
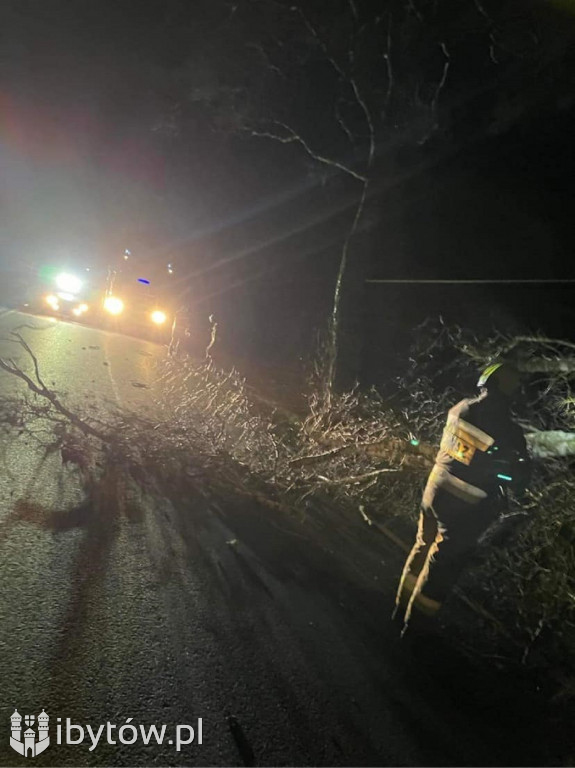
482	451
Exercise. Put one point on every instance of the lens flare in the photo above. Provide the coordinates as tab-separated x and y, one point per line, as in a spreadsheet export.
68	283
114	305
158	317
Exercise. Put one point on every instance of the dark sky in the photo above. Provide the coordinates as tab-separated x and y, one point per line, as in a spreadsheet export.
84	169
93	160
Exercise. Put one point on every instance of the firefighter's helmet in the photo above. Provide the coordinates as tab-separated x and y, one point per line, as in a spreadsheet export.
502	376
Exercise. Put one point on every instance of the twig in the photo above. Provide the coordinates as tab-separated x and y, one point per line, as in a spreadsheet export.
481	611
367	519
357	478
441	83
320	456
388	64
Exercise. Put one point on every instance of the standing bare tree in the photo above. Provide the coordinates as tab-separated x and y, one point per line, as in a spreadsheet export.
369	93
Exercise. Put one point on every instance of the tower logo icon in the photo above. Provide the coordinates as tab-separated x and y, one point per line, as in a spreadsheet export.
31	742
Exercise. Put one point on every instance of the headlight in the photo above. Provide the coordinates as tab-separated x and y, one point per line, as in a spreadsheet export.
52	301
113	305
158	317
68	283
83	307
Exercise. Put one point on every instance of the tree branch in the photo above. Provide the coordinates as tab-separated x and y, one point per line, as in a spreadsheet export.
39	388
551	443
266	58
387	57
368	120
482	11
440	84
502	346
357	478
342	124
294	138
353	9
314	33
412	7
344	76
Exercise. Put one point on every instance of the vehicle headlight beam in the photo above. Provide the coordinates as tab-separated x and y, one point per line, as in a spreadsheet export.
113	305
68	283
158	317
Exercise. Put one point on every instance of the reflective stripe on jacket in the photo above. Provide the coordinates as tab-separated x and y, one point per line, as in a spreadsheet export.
481	449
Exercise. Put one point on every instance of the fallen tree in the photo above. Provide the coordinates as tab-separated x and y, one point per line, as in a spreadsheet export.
360	462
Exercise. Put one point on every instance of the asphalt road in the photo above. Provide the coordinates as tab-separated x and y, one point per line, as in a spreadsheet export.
276	636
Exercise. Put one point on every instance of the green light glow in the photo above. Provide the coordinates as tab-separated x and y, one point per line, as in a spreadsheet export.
48	273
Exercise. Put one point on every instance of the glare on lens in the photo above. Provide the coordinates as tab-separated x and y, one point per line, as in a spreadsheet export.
113	305
158	317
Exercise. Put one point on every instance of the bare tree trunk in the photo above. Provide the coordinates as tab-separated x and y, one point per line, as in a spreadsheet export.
543	365
344	344
551	444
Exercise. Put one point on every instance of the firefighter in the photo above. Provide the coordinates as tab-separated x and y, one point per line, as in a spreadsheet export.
482	454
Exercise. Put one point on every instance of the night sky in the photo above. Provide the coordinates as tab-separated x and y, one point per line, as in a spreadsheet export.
115	134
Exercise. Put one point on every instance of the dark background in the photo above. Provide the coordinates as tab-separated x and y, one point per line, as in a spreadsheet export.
100	150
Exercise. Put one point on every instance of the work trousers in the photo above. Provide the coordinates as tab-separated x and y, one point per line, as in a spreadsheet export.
447	535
